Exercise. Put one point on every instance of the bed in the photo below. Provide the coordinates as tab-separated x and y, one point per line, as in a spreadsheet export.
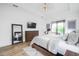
56	44
45	41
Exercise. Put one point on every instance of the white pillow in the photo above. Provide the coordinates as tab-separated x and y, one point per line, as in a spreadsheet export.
72	38
78	44
64	37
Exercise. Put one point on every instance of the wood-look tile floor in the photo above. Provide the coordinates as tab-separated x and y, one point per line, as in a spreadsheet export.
14	50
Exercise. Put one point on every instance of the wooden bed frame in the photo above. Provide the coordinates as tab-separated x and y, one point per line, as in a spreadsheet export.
44	51
70	53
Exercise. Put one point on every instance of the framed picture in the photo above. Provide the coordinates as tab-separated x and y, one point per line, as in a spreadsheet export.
72	24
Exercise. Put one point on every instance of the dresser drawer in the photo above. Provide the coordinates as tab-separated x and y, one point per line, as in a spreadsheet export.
29	35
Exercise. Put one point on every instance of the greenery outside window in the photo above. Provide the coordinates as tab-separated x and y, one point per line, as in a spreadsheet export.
58	27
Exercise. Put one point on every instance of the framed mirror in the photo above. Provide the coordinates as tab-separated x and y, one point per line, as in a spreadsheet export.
17	33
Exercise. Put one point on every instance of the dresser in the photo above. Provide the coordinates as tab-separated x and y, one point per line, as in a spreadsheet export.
29	35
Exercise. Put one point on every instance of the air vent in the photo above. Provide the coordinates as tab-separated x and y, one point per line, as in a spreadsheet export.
15	5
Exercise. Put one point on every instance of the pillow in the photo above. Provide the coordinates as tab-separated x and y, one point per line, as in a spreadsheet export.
77	45
72	38
64	37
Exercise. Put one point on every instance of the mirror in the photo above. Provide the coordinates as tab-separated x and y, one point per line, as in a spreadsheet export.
17	33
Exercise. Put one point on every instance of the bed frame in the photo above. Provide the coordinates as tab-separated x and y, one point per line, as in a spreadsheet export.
70	53
44	51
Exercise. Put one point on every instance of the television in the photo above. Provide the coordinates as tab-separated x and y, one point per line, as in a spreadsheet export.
31	25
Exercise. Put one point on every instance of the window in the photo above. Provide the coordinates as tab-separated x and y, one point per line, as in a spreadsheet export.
58	27
54	27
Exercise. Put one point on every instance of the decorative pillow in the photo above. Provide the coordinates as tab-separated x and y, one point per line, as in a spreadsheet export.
64	37
77	45
72	38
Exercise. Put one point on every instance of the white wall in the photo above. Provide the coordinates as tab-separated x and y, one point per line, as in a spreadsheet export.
65	16
62	12
12	15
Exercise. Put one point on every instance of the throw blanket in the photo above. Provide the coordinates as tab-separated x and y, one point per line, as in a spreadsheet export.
61	47
44	40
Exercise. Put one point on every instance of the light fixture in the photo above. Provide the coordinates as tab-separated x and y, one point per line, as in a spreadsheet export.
45	6
15	5
44	11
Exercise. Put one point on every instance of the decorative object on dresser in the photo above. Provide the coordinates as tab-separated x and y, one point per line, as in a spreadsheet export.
29	35
17	33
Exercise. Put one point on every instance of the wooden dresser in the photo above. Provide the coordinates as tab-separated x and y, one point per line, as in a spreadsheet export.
29	35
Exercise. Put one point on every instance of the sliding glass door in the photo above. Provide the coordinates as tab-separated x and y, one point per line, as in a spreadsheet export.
58	27
54	27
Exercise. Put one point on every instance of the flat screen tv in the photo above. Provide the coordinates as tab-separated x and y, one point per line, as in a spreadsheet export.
31	25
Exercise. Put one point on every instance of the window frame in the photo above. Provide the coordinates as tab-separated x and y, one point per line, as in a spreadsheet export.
57	25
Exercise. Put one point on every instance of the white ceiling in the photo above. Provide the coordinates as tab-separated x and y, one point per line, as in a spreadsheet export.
52	8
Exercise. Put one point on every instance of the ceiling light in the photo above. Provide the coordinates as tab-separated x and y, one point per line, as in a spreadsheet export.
15	5
45	6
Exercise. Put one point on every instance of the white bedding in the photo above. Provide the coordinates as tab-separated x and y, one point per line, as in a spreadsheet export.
54	43
40	40
61	47
44	40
